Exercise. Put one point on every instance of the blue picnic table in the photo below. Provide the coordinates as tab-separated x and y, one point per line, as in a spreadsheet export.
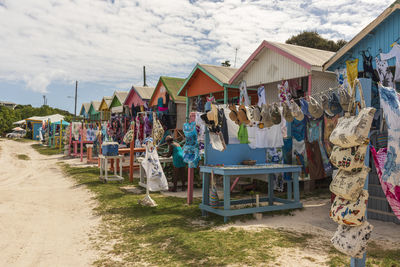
265	171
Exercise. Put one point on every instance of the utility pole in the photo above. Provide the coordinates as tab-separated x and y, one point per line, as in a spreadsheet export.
144	76
236	49
76	97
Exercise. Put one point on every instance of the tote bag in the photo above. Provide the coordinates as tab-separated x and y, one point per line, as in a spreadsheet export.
351	213
353	130
352	240
348	159
348	185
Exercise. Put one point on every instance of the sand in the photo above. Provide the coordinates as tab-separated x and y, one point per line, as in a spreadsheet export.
44	219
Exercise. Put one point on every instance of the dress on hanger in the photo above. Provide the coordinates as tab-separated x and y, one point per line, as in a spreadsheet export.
395	52
385	75
352	71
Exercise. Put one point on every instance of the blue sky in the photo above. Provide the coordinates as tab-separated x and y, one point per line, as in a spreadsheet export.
46	45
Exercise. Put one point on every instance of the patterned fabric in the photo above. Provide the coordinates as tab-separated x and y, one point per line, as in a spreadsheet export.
348	212
284	92
341	77
275	155
384	72
299	156
191	153
329	125
390	178
352	240
287	156
349	159
352	71
299	129
348	185
315	164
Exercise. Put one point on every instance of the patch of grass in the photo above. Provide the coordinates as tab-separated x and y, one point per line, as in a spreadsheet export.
45	150
23	157
170	235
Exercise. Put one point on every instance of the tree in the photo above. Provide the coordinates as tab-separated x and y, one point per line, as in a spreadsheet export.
226	63
314	40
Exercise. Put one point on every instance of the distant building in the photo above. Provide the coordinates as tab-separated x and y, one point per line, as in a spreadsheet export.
8	104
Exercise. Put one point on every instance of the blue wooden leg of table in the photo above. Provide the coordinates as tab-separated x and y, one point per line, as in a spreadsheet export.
206	192
358	262
296	187
270	189
227	195
289	189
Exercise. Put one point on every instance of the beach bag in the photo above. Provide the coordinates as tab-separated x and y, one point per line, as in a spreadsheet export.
348	185
348	212
128	137
353	130
348	159
315	108
214	200
287	112
158	130
352	240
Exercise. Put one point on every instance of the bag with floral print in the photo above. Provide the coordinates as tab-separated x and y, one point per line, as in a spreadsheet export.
158	130
352	240
353	130
350	158
348	185
351	213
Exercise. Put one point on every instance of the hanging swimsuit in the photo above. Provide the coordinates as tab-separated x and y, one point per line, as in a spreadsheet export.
367	65
352	71
385	75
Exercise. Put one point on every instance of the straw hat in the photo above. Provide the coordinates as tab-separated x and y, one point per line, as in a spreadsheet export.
257	113
242	115
296	111
344	99
315	108
334	104
266	116
213	114
325	105
276	114
287	112
233	115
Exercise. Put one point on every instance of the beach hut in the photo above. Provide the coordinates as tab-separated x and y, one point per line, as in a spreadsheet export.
85	110
272	62
105	108
166	93
118	99
369	51
94	113
36	122
209	80
138	98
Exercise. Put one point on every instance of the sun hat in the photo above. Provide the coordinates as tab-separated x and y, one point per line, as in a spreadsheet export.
256	113
276	114
242	115
344	99
297	113
212	115
304	107
325	105
315	108
287	112
233	115
266	116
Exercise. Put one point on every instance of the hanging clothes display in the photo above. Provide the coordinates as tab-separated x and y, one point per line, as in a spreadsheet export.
315	164
329	125
299	157
299	129
191	153
390	178
384	73
341	78
261	96
284	92
201	128
367	65
275	155
315	135
244	97
151	164
287	156
233	128
394	52
352	71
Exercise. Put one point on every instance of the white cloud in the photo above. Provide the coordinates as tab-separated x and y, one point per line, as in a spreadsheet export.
104	42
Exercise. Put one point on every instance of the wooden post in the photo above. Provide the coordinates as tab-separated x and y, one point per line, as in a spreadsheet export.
70	139
60	134
131	158
81	144
190	186
225	95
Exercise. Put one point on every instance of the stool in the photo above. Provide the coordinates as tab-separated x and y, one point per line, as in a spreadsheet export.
104	177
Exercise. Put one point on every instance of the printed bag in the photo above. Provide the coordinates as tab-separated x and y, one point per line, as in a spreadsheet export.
348	185
348	212
353	130
352	240
348	159
158	130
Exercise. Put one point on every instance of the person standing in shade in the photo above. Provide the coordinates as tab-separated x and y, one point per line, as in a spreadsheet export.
176	151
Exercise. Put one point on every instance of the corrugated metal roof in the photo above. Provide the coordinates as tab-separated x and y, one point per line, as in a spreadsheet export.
121	95
370	27
144	92
224	74
52	118
107	100
314	57
96	105
172	85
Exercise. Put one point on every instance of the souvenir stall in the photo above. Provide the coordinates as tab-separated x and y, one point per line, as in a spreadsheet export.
84	113
36	122
138	99
297	80
58	132
85	133
104	108
94	113
371	57
170	107
118	124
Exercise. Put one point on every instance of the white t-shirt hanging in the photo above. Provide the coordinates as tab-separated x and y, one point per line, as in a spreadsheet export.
273	136
251	135
233	128
261	96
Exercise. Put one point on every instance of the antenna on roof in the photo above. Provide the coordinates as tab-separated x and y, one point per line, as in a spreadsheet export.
144	76
236	49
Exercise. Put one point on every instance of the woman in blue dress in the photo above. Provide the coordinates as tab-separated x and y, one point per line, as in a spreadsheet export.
177	159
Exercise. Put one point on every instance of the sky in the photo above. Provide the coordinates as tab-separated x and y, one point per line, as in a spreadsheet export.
46	45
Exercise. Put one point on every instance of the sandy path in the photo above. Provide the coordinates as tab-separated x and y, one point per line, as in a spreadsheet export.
44	219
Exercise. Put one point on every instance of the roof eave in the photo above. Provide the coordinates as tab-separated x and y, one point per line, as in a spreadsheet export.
187	80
